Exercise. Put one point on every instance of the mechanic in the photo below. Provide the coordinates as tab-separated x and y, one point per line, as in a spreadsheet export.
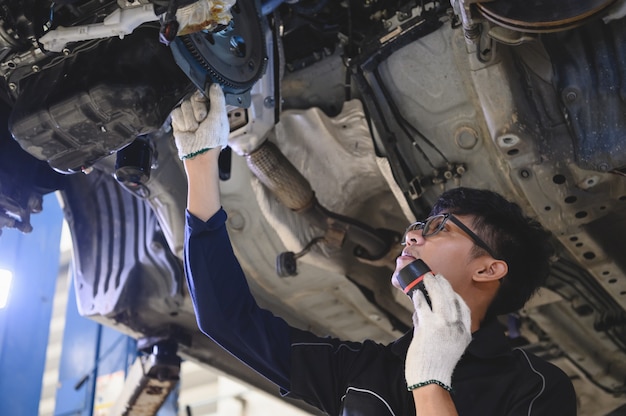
488	260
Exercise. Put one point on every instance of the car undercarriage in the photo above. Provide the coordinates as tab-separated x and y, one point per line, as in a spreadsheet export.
348	119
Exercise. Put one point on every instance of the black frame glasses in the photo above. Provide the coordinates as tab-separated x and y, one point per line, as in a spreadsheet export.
439	222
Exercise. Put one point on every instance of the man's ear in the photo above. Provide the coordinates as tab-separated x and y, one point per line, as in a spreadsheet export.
490	270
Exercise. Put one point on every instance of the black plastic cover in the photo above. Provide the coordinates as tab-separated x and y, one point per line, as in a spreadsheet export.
97	102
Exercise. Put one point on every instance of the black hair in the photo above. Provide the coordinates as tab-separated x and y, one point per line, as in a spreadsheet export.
513	237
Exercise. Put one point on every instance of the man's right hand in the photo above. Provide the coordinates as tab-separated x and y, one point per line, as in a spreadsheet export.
198	129
440	334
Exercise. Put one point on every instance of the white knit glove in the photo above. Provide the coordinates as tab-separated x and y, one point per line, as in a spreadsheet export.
440	335
195	131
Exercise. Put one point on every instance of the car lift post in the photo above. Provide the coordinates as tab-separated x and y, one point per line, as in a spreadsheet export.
25	321
95	361
98	373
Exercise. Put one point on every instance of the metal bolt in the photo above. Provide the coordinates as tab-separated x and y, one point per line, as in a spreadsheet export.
12	86
570	94
269	102
36	68
471	32
524	174
508	140
402	16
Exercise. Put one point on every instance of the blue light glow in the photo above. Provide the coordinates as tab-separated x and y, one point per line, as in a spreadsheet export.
6	277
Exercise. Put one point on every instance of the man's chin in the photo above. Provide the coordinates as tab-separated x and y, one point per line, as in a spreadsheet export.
394	280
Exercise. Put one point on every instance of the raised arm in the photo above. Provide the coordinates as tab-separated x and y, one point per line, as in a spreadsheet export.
225	309
200	136
203	196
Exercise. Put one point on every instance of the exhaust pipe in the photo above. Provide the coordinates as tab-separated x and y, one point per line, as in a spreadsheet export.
294	191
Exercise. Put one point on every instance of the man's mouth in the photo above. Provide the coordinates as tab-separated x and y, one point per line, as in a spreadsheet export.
406	254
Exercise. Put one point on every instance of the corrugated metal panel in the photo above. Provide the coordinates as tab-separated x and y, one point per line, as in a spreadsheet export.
203	390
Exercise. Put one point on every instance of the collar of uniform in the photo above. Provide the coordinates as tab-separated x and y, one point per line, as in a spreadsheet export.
489	341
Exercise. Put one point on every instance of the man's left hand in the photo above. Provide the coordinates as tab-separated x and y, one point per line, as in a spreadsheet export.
198	128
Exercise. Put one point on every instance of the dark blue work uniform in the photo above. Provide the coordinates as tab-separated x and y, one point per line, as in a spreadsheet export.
355	378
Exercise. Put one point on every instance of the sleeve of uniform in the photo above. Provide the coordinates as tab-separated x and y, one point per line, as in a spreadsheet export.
548	391
225	309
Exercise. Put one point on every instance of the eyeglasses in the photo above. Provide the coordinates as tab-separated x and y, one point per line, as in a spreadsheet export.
433	225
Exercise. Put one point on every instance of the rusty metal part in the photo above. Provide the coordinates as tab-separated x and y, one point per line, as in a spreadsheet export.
204	15
150	380
294	191
281	177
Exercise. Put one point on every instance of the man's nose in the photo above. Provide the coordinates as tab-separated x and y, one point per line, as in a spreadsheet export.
414	237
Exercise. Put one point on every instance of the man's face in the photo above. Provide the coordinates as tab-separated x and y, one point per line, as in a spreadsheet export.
448	252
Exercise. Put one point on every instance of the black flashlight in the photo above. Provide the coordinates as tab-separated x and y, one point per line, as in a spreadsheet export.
411	278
